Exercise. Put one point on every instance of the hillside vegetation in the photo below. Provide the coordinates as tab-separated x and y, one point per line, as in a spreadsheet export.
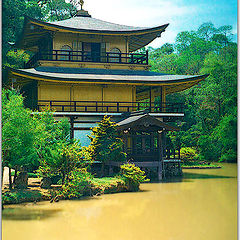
210	122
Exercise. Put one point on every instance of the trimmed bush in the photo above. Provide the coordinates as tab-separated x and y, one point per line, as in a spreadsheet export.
79	184
133	176
189	154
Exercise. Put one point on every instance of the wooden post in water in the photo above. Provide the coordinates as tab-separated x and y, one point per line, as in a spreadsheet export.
160	159
163	138
110	170
179	153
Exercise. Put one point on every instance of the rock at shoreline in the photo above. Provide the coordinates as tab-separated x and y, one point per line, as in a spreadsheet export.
46	183
21	181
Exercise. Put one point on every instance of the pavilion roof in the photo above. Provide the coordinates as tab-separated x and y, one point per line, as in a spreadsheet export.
144	121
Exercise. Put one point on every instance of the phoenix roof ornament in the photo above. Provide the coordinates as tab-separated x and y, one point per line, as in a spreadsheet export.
81	2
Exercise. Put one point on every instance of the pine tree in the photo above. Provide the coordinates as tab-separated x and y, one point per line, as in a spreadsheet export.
105	144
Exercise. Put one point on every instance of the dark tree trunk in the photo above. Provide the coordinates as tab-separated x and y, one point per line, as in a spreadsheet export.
15	175
63	178
21	180
102	170
10	178
46	183
2	176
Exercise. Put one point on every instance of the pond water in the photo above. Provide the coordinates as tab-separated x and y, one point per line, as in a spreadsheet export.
201	206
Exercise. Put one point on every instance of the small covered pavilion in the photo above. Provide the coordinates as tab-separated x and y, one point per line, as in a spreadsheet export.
144	138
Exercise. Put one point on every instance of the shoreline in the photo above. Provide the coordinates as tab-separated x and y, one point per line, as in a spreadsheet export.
198	167
36	194
105	185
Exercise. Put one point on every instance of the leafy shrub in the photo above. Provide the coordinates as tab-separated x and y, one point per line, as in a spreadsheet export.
208	148
10	197
61	159
16	58
79	184
133	176
32	175
189	154
229	156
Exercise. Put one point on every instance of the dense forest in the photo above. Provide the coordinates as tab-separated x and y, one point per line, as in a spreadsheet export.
210	123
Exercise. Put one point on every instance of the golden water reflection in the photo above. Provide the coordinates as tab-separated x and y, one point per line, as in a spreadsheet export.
201	206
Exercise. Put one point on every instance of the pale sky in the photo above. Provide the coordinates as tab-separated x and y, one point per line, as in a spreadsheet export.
181	14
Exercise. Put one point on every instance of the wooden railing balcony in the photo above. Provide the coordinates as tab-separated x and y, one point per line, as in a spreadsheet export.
153	153
88	56
109	106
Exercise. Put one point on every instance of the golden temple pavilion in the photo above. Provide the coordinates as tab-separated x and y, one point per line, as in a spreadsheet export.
86	68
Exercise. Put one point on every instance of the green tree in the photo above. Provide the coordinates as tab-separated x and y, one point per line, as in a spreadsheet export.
206	31
105	144
56	10
212	104
13	12
59	155
19	133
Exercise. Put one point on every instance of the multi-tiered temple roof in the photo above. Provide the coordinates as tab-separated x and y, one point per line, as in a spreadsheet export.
84	24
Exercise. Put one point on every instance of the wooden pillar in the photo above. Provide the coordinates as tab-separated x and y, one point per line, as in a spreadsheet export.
133	142
163	138
164	143
168	151
160	158
71	127
152	142
179	155
143	145
110	170
126	44
125	144
163	96
147	57
160	104
151	99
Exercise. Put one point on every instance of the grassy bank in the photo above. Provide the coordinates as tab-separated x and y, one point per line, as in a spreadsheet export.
108	185
100	186
24	195
197	165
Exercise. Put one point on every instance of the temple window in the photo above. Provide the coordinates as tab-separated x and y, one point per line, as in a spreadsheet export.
115	55
65	53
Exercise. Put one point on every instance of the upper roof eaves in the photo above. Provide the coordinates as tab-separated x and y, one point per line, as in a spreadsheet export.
122	76
88	24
